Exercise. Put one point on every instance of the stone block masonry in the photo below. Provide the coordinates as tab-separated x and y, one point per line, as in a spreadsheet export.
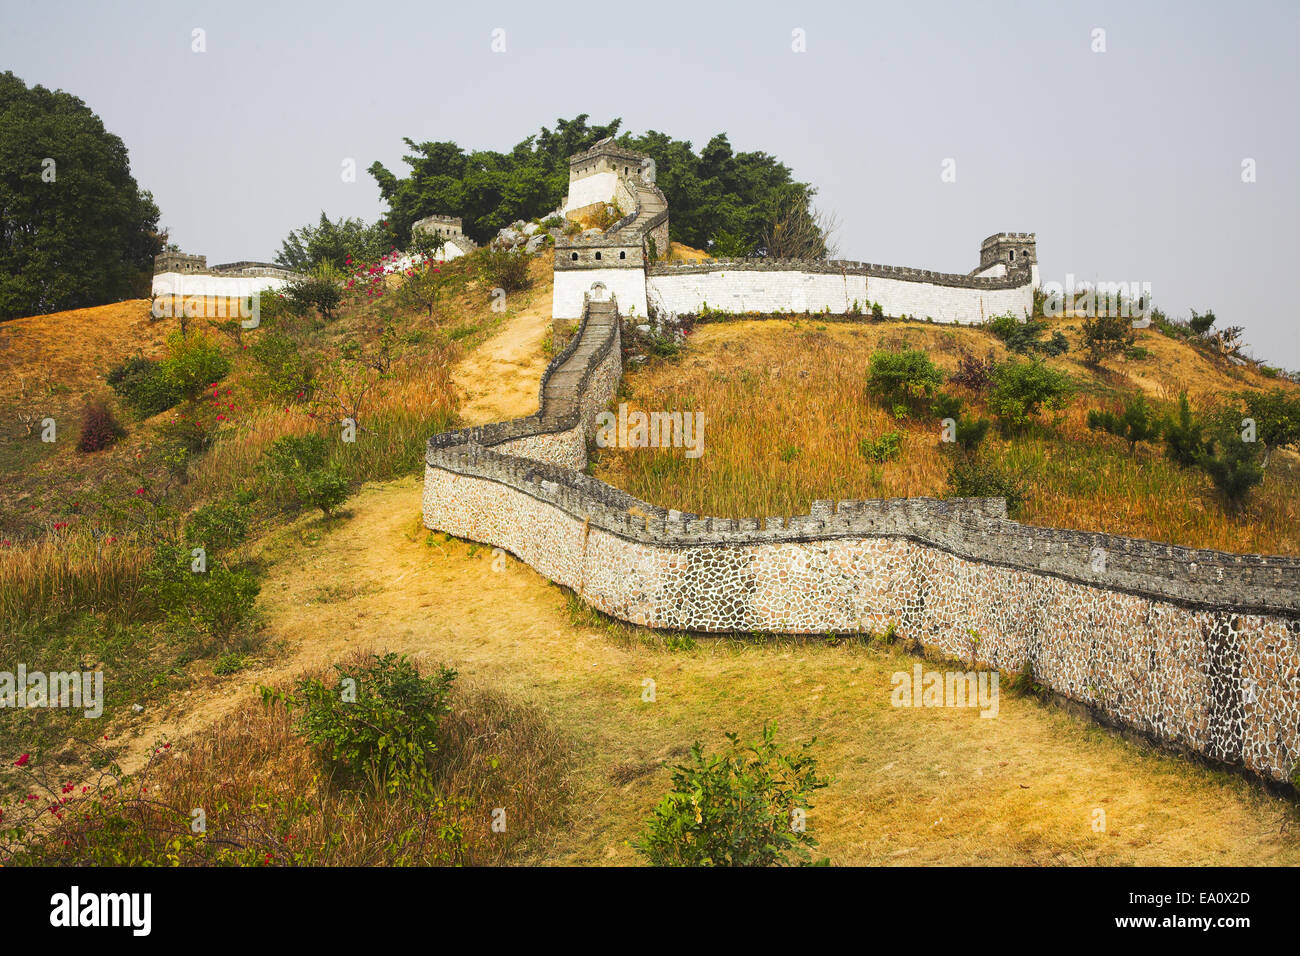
1199	650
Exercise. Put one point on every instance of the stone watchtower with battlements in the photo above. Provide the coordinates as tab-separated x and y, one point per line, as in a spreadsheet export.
1005	253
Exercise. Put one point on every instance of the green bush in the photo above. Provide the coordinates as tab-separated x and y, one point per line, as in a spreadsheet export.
142	386
1184	436
378	724
1277	419
505	269
970	432
903	377
1136	423
1233	466
192	363
736	808
1105	335
972	477
316	291
219	525
1023	389
213	602
301	461
284	372
324	488
882	448
1026	336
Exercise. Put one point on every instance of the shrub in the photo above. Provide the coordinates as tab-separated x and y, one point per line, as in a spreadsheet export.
300	460
284	372
882	448
506	270
972	477
736	808
1026	336
214	601
324	488
193	361
99	428
1136	423
1200	323
316	291
1233	466
904	376
970	432
1184	440
1022	389
141	384
974	373
1277	419
877	311
218	525
378	724
946	406
1105	335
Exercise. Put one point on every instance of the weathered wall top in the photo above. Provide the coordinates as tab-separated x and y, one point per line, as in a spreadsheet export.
976	529
838	267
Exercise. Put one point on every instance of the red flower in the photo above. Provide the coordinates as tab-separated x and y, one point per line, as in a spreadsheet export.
139	491
22	761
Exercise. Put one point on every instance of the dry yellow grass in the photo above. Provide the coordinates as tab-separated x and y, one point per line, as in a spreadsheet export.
785	407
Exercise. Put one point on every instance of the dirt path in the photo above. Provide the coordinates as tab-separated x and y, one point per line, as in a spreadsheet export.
497	381
500	379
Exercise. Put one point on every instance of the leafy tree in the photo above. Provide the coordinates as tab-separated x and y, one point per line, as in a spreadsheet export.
715	194
1277	419
1201	323
741	807
971	476
318	290
75	234
1023	389
335	242
506	269
302	462
903	377
1136	423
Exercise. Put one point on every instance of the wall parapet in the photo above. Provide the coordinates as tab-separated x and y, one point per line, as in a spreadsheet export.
1013	280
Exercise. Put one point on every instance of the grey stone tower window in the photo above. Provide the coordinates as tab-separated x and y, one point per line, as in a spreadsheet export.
573	256
598	255
622	255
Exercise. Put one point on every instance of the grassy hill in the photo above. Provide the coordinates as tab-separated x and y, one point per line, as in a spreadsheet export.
786	406
546	717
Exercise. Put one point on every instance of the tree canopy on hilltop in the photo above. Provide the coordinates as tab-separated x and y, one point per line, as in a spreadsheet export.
717	195
75	229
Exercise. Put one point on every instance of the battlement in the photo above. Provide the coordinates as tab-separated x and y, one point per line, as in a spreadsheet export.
179	262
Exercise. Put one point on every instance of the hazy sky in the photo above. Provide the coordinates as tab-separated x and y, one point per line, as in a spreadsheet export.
1126	163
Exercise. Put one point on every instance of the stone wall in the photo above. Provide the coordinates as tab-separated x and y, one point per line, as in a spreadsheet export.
1198	649
839	287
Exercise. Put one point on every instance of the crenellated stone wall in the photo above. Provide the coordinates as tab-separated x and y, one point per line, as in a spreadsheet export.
1197	649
